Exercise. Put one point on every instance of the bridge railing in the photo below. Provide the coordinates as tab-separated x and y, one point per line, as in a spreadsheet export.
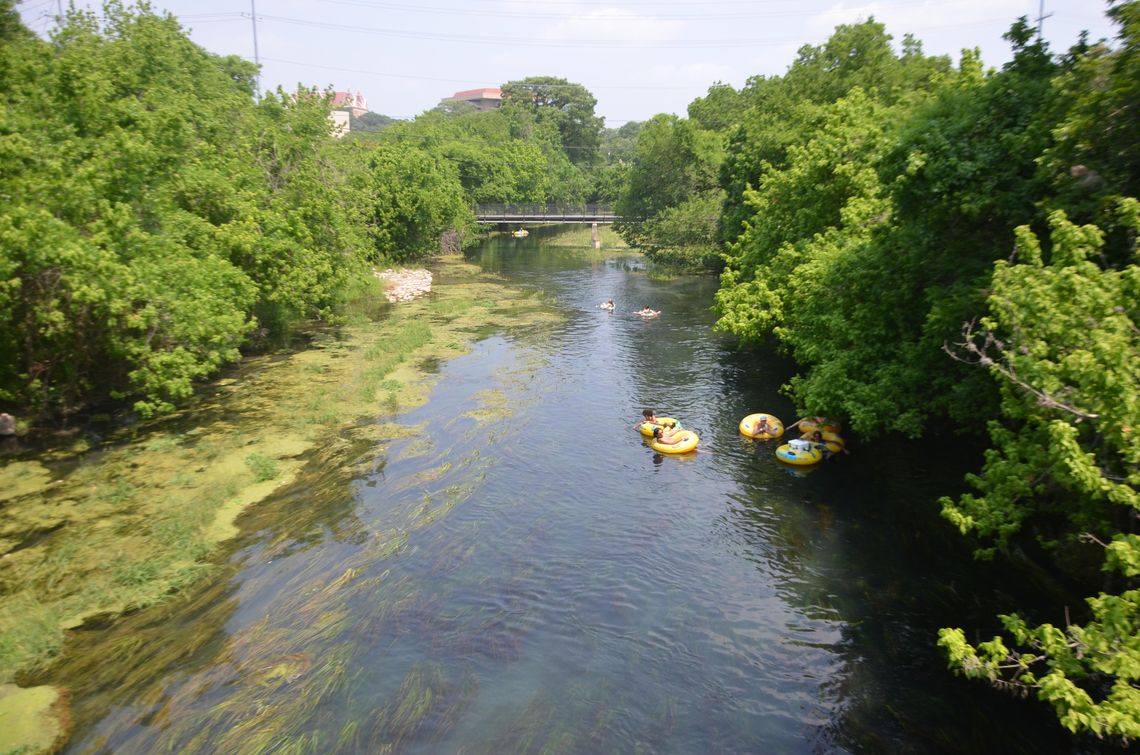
492	213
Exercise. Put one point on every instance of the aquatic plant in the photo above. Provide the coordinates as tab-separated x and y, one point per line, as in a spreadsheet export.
168	492
263	467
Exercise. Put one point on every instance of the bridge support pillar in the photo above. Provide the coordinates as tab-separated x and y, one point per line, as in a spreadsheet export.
597	241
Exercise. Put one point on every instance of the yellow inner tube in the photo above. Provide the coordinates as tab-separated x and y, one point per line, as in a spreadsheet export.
798	456
810	426
832	441
647	427
688	442
749	425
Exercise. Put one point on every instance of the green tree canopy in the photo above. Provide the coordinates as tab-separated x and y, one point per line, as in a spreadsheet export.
157	214
670	206
780	108
569	107
413	198
912	195
1063	341
504	155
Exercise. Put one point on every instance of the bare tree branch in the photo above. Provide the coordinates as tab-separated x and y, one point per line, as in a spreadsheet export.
981	355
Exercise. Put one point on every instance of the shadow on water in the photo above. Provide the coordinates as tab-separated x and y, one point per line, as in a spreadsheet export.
524	574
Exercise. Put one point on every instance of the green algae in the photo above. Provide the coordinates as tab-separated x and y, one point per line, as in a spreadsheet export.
426	700
417	448
22	478
493	407
139	519
327	408
32	720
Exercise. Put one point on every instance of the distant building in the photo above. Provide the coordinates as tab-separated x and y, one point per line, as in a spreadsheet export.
340	123
354	103
487	98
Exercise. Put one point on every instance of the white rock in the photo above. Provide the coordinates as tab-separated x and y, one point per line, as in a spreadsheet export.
404	285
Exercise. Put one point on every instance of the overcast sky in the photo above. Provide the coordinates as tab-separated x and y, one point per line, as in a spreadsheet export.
638	57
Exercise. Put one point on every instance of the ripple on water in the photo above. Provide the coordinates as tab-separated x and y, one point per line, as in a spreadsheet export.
525	574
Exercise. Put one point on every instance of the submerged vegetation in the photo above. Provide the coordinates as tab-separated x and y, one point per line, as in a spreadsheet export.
939	246
90	533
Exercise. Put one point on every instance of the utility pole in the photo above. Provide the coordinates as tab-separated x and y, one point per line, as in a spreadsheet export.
1041	16
257	58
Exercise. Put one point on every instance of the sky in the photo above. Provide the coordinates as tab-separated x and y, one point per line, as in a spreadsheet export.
637	57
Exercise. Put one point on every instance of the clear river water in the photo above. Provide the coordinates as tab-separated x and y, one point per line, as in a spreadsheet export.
537	579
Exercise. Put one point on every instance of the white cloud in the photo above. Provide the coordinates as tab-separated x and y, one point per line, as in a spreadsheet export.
614	24
923	17
702	74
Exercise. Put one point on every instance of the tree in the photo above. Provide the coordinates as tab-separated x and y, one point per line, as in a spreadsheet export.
413	198
1095	157
912	195
720	109
369	123
158	215
569	107
610	177
106	249
1062	339
671	204
504	155
780	108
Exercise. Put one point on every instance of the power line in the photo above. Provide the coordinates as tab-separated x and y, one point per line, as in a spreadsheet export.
210	16
653	3
575	14
519	41
32	7
524	14
526	42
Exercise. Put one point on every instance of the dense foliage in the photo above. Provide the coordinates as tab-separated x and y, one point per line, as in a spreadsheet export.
1063	340
867	204
566	106
157	215
670	206
413	198
514	154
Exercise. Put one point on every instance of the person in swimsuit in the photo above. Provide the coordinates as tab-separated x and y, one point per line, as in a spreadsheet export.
668	436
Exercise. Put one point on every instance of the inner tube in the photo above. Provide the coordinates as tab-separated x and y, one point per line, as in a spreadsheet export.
827	426
647	427
688	442
750	424
832	442
801	457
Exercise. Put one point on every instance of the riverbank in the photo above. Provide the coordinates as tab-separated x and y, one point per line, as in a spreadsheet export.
92	532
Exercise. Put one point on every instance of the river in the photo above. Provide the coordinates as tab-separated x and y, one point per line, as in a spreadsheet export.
534	578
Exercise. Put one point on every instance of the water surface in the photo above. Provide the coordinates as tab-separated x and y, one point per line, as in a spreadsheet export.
527	575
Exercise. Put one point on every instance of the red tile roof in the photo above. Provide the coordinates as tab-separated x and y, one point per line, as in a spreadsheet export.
348	99
485	91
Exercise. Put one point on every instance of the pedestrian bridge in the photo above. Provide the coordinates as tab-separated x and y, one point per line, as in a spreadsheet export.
545	213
